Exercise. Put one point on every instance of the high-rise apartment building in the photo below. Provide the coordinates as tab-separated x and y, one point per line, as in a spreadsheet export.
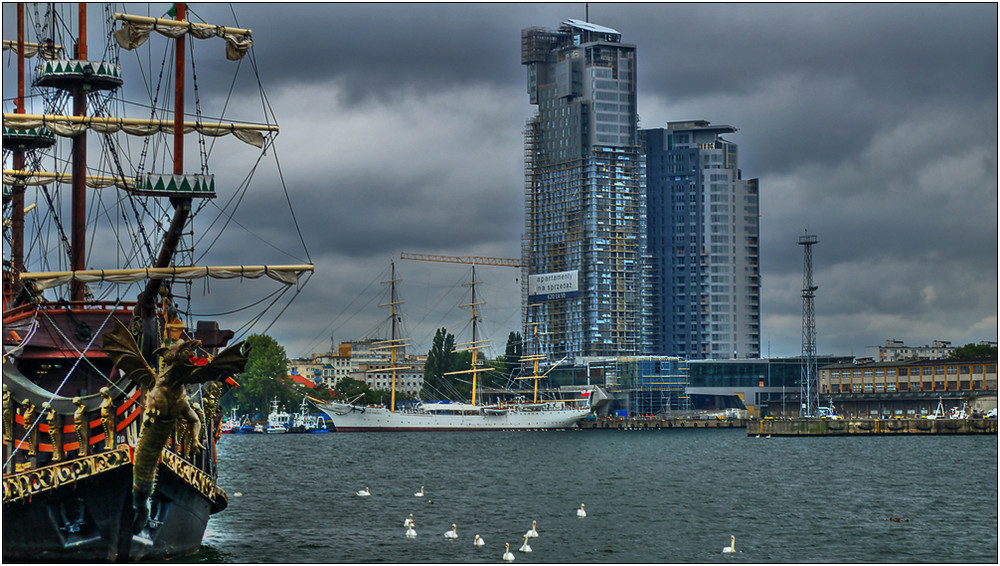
702	236
584	214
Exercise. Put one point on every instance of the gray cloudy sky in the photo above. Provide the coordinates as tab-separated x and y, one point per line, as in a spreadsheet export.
872	126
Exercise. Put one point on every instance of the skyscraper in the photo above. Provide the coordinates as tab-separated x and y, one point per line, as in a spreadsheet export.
584	213
703	237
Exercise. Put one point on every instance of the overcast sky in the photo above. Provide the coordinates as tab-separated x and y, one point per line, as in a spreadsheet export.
872	126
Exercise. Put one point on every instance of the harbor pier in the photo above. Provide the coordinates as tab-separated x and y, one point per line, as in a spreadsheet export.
613	423
841	427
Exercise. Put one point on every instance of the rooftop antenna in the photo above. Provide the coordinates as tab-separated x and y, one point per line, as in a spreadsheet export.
586	16
809	384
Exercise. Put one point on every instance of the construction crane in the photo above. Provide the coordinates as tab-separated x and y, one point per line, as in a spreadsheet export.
475	260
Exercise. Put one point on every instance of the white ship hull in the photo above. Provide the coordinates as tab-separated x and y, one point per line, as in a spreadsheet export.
351	418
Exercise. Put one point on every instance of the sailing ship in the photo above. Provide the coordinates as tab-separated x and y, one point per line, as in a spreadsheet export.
112	406
474	415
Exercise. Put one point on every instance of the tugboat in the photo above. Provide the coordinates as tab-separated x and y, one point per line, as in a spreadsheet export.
110	391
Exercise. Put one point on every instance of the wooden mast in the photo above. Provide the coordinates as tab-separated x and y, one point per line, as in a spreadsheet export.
182	206
17	197
78	243
392	336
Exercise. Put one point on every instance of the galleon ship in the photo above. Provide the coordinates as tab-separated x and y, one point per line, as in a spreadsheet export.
111	390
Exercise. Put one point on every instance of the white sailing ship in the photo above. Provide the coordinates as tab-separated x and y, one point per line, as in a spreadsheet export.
555	414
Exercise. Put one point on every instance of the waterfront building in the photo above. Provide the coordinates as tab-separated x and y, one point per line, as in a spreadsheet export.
703	239
906	388
895	350
361	360
584	238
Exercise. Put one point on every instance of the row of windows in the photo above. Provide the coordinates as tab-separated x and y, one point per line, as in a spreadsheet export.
916	371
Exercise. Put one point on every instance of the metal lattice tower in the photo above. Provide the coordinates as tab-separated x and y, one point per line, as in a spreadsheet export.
809	382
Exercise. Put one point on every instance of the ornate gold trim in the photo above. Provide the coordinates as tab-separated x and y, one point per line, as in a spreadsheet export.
190	474
32	482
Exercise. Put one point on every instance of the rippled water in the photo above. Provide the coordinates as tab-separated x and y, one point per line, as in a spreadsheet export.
651	496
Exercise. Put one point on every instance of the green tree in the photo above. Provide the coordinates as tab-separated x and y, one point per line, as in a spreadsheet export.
441	359
974	351
264	379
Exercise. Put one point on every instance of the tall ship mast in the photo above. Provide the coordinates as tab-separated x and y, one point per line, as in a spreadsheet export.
111	389
472	415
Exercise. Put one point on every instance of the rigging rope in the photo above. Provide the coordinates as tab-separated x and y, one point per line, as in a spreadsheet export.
54	394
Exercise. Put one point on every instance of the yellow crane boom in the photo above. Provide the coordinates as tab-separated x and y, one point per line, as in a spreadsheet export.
476	260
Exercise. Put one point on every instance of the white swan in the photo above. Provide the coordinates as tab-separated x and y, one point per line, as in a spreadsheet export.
409	521
410	533
532	533
732	546
525	547
419	493
581	512
508	556
364	492
479	541
453	533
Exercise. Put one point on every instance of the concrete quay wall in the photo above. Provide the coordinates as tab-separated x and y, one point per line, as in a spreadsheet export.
839	427
605	423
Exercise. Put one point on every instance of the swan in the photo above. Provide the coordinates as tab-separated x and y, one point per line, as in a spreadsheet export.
453	533
479	541
410	533
532	533
364	492
409	521
525	547
419	493
732	546
507	555
581	512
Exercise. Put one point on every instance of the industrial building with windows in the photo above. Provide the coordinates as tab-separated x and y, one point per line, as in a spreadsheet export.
584	235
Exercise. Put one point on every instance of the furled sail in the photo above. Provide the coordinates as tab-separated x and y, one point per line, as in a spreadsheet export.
43	50
287	274
72	126
136	30
42	178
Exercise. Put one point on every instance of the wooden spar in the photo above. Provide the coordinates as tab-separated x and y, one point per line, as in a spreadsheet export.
109	120
163	271
78	246
20	45
63	178
179	23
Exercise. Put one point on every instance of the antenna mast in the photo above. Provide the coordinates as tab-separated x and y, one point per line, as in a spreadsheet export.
808	384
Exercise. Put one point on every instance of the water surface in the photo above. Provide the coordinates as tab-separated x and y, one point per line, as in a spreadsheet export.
651	496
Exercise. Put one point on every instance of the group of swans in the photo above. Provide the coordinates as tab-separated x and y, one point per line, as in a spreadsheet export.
365	492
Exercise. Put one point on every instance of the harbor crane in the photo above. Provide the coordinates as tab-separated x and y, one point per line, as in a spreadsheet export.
475	260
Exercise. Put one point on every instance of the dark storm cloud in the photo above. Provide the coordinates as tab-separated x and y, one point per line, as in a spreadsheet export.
872	125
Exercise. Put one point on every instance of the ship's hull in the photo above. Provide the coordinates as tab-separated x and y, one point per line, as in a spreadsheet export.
81	510
348	418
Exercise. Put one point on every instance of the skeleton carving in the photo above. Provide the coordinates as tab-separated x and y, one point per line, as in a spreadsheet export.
166	400
81	426
55	431
29	425
108	418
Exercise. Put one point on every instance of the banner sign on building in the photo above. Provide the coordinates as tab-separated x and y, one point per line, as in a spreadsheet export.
552	286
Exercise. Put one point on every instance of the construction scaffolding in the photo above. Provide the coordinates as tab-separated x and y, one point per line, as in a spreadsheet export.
654	385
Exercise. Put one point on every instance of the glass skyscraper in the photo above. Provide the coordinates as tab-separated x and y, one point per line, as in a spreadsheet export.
703	239
584	241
